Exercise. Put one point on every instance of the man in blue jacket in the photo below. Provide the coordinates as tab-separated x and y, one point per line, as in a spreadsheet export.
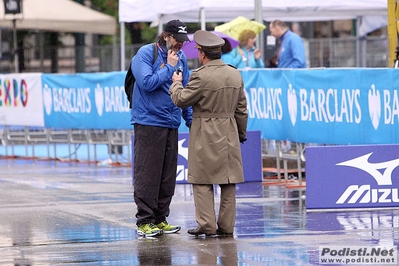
291	53
156	121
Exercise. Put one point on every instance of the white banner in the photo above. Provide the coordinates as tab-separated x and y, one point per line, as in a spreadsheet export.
21	100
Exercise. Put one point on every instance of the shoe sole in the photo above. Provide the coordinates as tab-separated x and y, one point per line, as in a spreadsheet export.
140	233
171	231
200	234
224	235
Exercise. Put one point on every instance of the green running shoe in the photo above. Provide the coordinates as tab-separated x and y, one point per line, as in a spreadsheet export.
148	230
168	228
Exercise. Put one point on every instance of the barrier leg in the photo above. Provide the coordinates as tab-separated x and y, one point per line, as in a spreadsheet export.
278	160
299	152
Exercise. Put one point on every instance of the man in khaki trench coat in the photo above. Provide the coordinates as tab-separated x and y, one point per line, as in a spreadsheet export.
216	93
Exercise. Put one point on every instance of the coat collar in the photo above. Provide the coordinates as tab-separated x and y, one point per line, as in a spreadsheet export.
215	62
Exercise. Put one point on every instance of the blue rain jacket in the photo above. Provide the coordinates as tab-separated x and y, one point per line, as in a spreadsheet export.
292	51
235	59
151	102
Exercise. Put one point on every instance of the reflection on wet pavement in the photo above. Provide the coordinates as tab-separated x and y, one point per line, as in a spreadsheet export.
58	213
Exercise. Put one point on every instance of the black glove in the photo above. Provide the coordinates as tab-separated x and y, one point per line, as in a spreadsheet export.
243	139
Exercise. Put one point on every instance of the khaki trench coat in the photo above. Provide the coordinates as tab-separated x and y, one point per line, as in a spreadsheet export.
216	93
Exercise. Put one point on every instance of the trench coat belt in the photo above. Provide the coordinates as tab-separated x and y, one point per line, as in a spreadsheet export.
213	115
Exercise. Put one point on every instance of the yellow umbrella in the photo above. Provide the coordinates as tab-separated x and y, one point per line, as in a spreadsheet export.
237	25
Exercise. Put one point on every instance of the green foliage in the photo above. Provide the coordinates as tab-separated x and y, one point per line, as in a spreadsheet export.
149	34
109	7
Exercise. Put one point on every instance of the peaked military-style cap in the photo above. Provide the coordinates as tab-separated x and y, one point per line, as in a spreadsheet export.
208	41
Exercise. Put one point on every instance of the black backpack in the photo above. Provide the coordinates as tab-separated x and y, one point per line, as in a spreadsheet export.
130	79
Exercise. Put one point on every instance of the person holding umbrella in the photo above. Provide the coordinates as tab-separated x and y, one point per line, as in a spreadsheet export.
216	93
245	30
190	50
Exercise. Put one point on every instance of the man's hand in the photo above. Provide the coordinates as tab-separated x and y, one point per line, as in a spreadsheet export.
172	58
177	76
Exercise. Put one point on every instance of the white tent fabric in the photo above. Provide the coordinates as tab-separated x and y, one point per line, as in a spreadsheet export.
222	11
371	23
225	10
60	16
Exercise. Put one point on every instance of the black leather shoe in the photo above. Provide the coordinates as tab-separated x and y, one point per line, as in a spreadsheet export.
197	232
222	233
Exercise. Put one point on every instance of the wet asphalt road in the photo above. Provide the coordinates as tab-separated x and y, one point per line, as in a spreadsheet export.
55	213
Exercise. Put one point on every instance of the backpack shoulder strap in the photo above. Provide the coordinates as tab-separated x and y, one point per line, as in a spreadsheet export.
155	50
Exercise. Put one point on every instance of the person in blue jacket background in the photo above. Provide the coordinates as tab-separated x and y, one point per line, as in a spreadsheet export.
156	121
245	55
291	53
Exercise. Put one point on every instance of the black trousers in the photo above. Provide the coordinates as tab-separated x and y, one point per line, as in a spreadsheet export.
155	165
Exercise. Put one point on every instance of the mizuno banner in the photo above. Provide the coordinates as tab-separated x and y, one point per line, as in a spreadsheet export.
358	176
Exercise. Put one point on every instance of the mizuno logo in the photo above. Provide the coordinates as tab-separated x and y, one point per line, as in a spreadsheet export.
182	171
183	151
365	194
381	172
182	29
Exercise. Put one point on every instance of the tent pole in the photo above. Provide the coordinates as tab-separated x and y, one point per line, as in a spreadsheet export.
122	26
203	22
14	23
160	25
364	51
114	52
41	51
258	18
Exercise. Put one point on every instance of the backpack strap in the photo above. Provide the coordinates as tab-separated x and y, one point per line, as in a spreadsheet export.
155	52
130	79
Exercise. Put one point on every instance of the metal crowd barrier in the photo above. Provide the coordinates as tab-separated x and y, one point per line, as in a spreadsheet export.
284	151
54	142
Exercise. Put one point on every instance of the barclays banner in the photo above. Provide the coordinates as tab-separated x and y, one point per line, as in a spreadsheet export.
326	106
355	176
330	106
86	101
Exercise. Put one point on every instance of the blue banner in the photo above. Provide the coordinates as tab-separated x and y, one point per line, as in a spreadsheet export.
354	176
329	106
326	106
85	101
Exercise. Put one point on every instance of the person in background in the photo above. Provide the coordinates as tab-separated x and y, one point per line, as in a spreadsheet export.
291	53
245	55
216	93
156	121
227	56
